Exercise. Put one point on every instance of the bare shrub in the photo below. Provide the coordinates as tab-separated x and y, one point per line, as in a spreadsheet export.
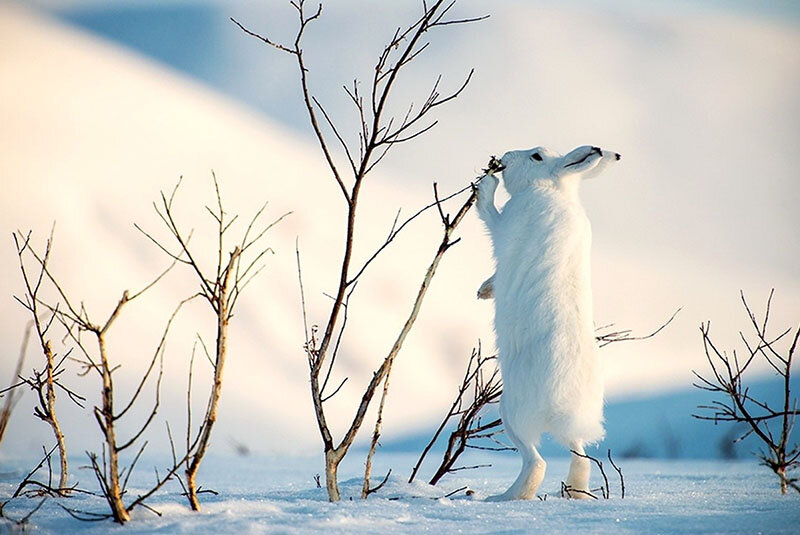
77	323
739	406
480	387
220	287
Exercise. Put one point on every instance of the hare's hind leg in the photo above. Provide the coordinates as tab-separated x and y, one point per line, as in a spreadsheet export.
579	469
530	476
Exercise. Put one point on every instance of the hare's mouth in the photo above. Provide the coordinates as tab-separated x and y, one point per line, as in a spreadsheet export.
494	166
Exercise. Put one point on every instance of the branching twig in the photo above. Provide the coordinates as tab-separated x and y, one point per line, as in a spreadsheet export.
221	287
625	335
737	405
484	388
45	382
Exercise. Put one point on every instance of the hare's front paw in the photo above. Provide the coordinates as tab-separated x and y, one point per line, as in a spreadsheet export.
485	201
486	189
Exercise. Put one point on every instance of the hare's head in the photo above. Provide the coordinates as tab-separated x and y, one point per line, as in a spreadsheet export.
521	168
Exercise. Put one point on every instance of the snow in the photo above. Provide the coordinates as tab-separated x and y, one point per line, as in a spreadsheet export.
278	495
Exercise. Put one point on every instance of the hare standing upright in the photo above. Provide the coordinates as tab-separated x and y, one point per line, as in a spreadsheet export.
552	382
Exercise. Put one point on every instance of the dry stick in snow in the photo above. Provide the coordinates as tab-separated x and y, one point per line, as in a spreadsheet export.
738	404
366	488
376	136
605	489
619	473
11	393
221	288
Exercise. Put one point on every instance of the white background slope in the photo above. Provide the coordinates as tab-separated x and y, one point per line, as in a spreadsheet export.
92	152
701	205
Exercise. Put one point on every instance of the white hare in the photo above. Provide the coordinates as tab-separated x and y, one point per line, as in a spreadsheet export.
552	382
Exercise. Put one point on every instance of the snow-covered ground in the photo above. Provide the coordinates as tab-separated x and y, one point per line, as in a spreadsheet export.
278	495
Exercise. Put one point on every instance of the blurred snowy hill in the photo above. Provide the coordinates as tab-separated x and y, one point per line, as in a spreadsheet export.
659	426
701	101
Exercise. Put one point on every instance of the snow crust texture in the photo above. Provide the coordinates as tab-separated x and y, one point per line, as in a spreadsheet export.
272	496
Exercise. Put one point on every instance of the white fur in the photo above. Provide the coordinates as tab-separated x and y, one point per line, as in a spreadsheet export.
552	382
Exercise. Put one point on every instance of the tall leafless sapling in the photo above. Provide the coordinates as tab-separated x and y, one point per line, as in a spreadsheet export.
78	324
740	406
220	288
378	133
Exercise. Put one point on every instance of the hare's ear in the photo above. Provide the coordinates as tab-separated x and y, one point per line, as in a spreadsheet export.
579	160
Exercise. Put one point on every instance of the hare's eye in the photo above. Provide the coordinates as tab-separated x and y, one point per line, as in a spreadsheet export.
536	156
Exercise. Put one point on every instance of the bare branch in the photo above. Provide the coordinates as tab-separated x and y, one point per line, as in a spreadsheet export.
604	339
396	230
11	393
280	47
